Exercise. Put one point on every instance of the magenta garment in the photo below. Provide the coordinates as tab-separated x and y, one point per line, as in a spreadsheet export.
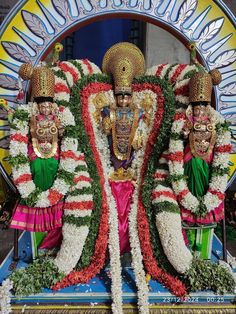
52	240
122	192
37	219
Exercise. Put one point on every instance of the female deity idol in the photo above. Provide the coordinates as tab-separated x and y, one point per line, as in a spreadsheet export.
45	130
200	133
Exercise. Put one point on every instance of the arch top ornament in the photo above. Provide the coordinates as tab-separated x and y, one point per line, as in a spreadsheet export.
35	25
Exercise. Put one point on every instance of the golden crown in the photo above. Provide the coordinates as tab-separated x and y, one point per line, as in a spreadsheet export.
42	79
201	83
124	61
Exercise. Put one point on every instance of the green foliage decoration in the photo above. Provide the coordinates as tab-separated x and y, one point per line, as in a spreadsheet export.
205	275
30	280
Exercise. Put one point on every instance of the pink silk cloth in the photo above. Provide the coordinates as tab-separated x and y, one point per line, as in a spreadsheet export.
122	192
37	219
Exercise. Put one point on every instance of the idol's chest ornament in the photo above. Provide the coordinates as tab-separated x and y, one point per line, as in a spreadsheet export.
201	131
45	128
124	122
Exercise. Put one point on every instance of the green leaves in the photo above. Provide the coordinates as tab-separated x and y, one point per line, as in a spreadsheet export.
31	280
204	275
21	114
17	161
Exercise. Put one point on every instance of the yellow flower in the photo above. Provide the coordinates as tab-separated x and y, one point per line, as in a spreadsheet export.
148	278
58	47
3	103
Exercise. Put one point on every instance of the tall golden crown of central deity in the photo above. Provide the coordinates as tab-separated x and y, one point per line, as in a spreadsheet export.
42	79
124	61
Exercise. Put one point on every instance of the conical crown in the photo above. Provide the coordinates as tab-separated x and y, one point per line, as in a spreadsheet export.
124	61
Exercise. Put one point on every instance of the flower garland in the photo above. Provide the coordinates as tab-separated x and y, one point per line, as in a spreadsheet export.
69	159
5	296
215	194
178	75
101	143
101	240
168	221
175	285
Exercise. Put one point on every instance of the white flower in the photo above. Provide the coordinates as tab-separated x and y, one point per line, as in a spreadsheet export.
211	201
78	212
69	255
170	232
69	143
17	148
43	200
69	164
61	185
66	117
5	296
26	188
62	96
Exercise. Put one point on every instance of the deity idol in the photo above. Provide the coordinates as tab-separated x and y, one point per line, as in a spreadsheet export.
45	130
120	122
201	136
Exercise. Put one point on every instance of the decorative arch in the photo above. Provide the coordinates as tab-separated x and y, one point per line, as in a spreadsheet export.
33	26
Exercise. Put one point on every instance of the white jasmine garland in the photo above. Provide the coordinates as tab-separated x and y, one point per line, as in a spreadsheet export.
78	213
69	255
113	240
69	164
170	231
5	296
66	117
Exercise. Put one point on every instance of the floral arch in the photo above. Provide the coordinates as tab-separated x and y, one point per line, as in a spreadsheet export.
33	26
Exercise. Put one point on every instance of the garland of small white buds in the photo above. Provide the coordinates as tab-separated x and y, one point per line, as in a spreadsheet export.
217	186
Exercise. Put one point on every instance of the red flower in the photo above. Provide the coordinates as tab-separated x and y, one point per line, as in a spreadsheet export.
164	193
54	196
72	155
86	62
182	90
19	138
159	69
66	68
79	205
61	108
179	116
223	148
182	194
23	178
60	87
177	72
220	195
177	156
